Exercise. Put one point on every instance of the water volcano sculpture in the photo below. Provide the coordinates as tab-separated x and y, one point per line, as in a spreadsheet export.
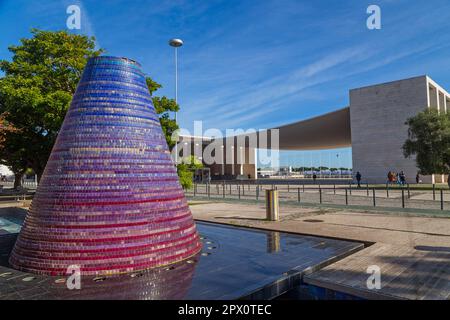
109	200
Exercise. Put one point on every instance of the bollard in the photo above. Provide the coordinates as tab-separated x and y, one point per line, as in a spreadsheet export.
239	191
298	194
387	191
346	197
334	188
350	186
243	190
374	198
223	191
257	193
289	188
303	188
434	191
403	198
272	208
320	195
409	194
367	186
208	187
442	199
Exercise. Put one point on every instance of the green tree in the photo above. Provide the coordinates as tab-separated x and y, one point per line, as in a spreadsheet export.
163	107
186	170
429	140
35	94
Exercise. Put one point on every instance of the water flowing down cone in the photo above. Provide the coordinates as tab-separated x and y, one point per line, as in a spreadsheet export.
109	200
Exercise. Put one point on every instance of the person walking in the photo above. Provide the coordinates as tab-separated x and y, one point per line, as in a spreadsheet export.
390	177
417	178
402	178
358	178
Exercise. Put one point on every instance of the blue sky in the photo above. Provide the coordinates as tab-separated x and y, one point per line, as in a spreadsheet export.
257	63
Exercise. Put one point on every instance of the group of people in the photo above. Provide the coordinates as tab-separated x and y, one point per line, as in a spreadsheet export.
399	178
396	178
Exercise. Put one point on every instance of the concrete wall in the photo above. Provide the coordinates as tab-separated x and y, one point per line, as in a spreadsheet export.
377	115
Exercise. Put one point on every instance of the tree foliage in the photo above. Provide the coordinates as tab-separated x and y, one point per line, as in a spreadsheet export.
36	91
429	140
163	107
186	170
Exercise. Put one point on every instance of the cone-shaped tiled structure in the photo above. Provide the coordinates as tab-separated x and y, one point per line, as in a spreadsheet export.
109	199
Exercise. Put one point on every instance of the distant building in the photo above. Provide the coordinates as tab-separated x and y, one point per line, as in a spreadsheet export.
285	171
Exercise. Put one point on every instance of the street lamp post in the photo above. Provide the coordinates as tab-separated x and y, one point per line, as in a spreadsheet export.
176	43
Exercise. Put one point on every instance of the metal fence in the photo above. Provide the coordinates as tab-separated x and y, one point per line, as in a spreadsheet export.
437	198
25	184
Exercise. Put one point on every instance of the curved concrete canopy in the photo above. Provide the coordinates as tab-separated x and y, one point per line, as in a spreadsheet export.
327	131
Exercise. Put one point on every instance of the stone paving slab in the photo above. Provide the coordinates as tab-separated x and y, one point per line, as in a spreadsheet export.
405	273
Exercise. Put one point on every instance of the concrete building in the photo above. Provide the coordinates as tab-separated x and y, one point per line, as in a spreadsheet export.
377	117
373	125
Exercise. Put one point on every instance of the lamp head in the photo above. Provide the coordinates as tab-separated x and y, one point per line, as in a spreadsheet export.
176	43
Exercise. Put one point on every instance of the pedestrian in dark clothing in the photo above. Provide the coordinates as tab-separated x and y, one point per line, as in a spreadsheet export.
402	178
358	178
418	178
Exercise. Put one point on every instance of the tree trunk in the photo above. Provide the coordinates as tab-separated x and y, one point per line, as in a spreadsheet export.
17	180
38	171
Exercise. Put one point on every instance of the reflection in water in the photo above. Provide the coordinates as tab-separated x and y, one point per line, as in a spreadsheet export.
273	242
167	283
234	263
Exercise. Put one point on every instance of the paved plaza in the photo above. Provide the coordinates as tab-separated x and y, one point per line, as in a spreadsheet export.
412	251
364	226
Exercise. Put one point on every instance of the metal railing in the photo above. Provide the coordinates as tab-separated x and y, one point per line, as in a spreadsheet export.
401	197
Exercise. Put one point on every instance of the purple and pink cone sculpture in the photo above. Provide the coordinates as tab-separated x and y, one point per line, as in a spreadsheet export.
109	200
